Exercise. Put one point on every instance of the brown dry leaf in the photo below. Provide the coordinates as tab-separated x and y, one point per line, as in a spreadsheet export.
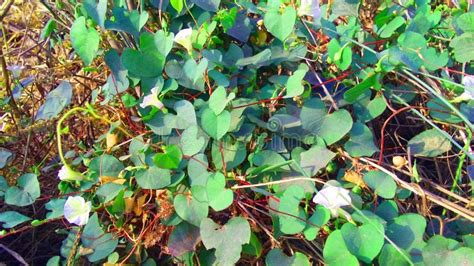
111	139
108	179
129	205
354	178
137	208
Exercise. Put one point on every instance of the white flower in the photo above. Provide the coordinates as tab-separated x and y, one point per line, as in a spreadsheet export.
152	100
16	70
309	8
184	39
67	174
333	198
76	210
468	82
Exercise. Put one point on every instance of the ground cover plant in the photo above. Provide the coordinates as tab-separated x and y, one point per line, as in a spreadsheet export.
213	132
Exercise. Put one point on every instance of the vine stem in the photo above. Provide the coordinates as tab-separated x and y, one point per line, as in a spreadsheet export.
91	111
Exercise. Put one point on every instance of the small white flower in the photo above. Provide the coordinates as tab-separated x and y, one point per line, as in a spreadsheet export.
184	39
468	82
309	8
333	198
67	174
16	70
152	100
76	210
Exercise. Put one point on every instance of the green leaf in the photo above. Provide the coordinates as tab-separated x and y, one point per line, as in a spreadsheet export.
365	241
3	186
277	257
391	256
314	159
84	40
55	208
96	10
192	208
148	62
330	127
465	22
108	191
94	237
226	239
218	196
382	184
208	5
106	165
255	60
170	158
361	142
254	247
462	47
444	251
319	218
345	8
137	150
294	85
214	125
292	218
366	110
26	191
429	143
234	153
407	231
177	5
439	111
343	58
387	30
218	100
11	219
48	29
184	238
127	21
388	210
352	94
335	251
191	141
280	25
56	101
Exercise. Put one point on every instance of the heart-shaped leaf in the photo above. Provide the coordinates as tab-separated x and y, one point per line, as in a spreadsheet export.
214	125
11	219
429	143
366	241
26	191
280	25
227	239
330	127
93	237
170	158
382	184
56	101
128	21
85	41
219	197
335	251
293	218
277	257
192	208
191	141
96	10
153	178
219	100
148	62
361	142
294	85
314	159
